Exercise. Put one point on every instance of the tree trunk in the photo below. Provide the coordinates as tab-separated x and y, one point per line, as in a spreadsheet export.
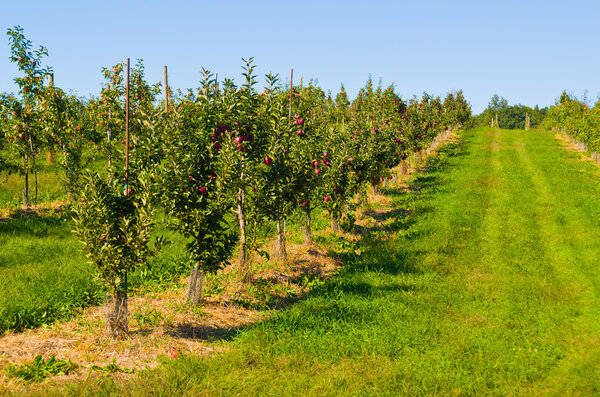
308	237
26	201
34	171
335	224
243	251
281	248
374	188
195	286
36	187
115	312
51	154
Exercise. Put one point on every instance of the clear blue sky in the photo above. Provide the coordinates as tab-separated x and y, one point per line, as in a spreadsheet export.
525	51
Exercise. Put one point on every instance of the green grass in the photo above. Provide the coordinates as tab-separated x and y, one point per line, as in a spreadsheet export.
46	277
50	188
486	282
51	181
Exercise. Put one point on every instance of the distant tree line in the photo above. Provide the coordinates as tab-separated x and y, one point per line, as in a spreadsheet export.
510	117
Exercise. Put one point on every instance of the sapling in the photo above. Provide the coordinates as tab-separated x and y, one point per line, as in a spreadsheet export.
24	139
113	220
193	179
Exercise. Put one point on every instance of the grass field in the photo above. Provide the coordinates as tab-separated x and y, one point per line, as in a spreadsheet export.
482	279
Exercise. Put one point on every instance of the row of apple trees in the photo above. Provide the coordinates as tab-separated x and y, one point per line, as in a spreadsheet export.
577	120
225	149
219	163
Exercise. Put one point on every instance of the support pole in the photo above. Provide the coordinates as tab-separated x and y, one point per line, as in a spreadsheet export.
127	133
166	92
291	92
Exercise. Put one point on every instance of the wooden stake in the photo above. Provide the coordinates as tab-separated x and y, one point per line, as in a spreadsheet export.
127	133
108	136
291	91
51	151
166	92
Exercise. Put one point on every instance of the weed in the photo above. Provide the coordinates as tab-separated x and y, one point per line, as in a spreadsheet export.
112	368
39	369
148	317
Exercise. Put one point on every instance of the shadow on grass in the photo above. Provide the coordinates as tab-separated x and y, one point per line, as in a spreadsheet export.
378	252
34	224
359	288
205	332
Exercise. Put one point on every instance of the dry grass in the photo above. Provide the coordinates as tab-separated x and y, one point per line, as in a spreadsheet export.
56	207
161	324
568	144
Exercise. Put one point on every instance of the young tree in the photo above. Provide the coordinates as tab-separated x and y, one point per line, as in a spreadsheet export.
194	178
114	221
308	125
66	123
277	197
25	139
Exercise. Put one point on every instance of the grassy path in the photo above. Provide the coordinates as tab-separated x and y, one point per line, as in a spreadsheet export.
484	279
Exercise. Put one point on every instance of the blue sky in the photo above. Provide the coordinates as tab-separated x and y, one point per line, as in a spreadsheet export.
525	51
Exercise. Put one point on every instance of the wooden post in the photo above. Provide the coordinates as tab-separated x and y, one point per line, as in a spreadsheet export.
108	137
291	91
127	132
166	92
51	151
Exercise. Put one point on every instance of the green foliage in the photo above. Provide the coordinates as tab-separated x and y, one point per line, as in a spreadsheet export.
22	126
576	120
113	222
194	175
113	368
67	124
39	369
